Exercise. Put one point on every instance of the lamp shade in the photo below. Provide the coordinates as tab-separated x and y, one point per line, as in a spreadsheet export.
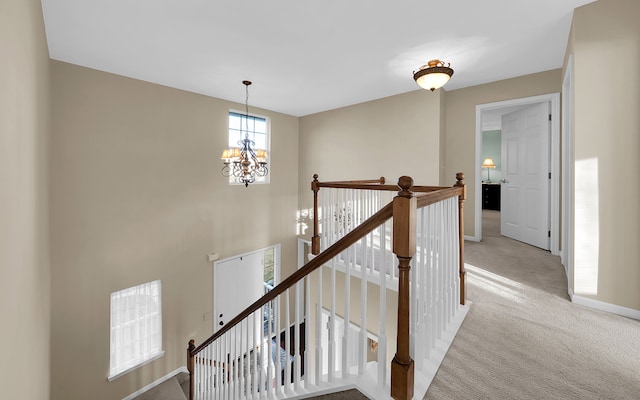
261	154
433	75
488	163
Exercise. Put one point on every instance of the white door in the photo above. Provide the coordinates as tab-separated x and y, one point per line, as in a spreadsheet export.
525	171
238	282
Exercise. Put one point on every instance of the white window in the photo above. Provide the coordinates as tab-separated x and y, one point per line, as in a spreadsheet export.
136	327
257	130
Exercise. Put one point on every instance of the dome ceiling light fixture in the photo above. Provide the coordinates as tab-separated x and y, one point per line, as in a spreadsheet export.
433	75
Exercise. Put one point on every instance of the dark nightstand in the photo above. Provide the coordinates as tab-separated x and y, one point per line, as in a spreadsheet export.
491	196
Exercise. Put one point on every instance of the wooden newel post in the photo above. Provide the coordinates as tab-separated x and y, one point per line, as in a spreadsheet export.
461	199
315	240
404	247
190	358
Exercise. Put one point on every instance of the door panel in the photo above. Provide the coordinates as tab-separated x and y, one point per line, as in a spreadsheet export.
238	282
525	184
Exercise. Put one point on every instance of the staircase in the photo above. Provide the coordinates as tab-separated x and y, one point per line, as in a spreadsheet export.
374	309
175	388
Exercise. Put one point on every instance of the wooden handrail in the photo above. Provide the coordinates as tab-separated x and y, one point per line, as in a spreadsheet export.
388	188
427	199
379	181
345	242
403	208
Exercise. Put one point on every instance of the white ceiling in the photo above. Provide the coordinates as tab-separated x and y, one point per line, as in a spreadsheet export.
308	56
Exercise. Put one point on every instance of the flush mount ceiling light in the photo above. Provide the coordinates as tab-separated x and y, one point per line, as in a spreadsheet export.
433	75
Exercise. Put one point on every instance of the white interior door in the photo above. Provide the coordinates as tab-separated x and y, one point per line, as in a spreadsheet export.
238	282
525	172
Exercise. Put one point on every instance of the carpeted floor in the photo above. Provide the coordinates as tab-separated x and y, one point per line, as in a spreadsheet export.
524	339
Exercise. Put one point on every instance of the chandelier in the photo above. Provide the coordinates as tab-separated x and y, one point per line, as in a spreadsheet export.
433	75
243	162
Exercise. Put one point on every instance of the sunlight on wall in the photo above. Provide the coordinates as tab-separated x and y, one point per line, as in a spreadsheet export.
586	229
304	219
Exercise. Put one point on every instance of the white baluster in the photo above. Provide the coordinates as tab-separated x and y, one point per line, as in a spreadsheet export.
239	364
450	266
382	335
456	251
252	351
423	293
296	341
362	347
442	269
287	343
432	282
332	318
265	356
438	271
347	309
414	297
319	329
207	352
270	349
307	331
233	364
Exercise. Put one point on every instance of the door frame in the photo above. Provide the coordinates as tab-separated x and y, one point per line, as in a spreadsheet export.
566	254
554	156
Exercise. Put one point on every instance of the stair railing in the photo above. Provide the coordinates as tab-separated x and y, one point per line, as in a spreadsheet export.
436	291
244	359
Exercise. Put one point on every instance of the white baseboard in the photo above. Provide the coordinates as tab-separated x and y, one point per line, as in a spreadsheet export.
156	382
602	306
471	238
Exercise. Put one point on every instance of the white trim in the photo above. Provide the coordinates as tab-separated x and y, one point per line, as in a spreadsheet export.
566	255
126	371
121	320
301	259
554	199
156	383
554	206
471	238
607	307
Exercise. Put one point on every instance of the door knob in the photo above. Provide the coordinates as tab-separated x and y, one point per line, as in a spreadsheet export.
504	181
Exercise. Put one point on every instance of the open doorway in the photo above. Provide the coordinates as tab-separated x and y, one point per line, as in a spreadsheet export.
488	179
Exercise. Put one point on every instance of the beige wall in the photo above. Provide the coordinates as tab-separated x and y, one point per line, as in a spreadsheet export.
606	146
24	195
460	122
390	137
137	195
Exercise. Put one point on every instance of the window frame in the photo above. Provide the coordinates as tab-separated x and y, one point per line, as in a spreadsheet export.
265	180
115	326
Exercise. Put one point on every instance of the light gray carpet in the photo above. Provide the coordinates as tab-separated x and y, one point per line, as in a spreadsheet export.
524	339
352	394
